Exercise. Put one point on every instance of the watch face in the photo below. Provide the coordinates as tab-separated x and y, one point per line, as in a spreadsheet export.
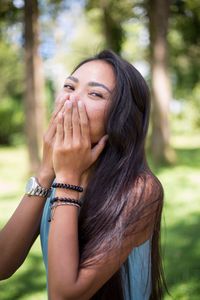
30	185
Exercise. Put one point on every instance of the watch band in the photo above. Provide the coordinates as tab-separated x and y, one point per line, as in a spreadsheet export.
33	188
40	191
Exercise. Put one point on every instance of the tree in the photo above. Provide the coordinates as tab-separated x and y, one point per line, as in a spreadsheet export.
184	40
28	15
11	92
112	15
11	88
158	12
34	87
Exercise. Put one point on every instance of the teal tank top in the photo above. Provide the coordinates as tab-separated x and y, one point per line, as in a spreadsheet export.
137	283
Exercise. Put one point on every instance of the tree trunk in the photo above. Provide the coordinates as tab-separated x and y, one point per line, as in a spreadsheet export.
34	84
113	31
161	88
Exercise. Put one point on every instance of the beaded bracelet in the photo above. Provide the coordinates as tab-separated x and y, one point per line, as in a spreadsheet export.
67	186
66	200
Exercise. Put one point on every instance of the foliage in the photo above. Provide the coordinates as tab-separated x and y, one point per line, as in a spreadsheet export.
9	14
11	71
185	44
11	90
11	74
11	122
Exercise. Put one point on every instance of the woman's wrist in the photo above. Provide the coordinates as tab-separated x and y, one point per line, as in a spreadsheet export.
45	178
73	179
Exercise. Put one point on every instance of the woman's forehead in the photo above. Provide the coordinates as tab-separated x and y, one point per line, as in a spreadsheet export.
96	70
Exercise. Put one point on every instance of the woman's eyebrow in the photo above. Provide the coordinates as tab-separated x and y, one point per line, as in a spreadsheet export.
91	83
94	83
73	78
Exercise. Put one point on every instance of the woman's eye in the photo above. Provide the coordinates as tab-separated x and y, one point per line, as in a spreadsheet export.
96	95
69	87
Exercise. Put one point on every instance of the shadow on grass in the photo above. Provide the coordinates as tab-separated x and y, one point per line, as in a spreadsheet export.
184	157
25	282
182	258
188	157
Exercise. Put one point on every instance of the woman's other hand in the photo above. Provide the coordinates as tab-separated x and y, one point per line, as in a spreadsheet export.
46	172
72	151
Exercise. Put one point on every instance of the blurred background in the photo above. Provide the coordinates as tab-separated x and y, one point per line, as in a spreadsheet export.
40	43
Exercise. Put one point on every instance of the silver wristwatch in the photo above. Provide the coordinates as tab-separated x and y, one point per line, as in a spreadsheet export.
34	189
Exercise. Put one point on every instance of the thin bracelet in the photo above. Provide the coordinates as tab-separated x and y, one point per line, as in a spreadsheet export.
65	199
55	205
67	186
60	204
65	202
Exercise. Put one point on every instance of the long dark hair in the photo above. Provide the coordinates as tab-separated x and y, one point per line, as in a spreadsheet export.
123	197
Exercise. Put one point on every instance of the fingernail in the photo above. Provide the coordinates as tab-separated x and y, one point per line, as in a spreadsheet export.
60	115
80	104
68	104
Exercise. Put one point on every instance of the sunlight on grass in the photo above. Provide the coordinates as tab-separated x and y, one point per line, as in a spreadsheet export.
185	141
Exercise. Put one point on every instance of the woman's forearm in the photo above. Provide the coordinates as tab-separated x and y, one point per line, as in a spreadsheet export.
63	249
18	235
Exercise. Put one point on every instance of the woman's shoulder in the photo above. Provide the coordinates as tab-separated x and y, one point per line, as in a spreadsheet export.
144	203
148	186
149	178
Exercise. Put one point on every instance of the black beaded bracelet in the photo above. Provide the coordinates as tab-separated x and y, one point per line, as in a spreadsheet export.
67	186
66	200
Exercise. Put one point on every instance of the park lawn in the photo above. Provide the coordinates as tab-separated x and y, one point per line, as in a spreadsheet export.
29	282
180	228
181	220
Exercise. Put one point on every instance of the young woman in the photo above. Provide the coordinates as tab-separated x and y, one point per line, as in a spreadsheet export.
101	242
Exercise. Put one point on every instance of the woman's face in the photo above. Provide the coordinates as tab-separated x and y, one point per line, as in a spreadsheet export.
92	83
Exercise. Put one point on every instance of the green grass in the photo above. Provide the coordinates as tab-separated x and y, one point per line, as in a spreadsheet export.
181	221
29	282
180	231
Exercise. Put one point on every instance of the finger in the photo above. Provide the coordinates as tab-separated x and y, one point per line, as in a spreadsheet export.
59	97
50	134
51	131
59	130
96	151
60	105
56	111
53	122
84	124
76	123
68	122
